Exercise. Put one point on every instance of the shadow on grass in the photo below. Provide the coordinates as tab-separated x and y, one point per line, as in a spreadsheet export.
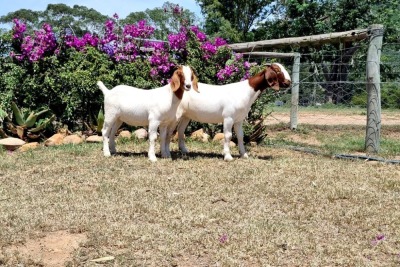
189	156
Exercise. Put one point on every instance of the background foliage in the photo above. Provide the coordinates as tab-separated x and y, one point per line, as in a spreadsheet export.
53	58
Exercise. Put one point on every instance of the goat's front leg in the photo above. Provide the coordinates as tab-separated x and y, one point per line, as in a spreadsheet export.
228	123
153	126
239	133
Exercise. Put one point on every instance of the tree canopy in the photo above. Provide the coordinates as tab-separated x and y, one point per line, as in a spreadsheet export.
79	18
165	19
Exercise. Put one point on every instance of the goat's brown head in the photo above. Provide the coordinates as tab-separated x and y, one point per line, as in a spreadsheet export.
183	79
274	76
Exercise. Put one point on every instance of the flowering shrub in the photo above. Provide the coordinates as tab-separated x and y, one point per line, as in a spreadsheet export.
130	42
33	47
234	67
62	68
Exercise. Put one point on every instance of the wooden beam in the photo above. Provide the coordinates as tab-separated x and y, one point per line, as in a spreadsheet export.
269	54
312	40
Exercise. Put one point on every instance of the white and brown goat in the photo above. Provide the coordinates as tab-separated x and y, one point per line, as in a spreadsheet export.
138	107
228	104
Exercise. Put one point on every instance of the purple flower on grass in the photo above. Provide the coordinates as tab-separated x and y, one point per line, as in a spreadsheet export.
377	239
223	238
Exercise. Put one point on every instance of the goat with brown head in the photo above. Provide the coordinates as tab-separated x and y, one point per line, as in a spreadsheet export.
273	76
183	79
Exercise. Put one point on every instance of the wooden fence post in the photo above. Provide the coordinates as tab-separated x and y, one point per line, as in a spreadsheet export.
373	129
295	91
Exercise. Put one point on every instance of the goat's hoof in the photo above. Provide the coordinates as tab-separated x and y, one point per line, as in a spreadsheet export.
153	159
245	156
107	154
184	151
166	156
228	158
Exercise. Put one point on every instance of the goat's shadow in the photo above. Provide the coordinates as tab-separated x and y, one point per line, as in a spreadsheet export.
175	155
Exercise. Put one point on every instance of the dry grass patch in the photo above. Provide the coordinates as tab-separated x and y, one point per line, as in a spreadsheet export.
278	208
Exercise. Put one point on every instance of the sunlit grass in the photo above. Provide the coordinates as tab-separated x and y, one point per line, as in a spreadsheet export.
279	208
334	139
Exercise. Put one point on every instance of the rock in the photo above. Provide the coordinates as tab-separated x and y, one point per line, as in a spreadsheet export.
175	137
28	146
253	144
72	139
140	133
55	140
231	143
125	134
94	139
206	137
11	143
219	136
200	135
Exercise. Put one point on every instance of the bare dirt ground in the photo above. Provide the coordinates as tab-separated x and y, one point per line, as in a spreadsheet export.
54	249
331	119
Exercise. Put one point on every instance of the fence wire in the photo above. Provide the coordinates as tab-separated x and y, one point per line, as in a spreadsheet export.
333	91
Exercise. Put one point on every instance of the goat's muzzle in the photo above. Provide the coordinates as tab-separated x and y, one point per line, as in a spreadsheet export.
286	83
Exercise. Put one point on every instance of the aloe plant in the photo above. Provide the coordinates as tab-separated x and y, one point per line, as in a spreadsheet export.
3	115
96	128
28	123
100	121
23	119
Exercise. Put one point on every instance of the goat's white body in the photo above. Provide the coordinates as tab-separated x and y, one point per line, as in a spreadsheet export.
138	107
228	104
215	103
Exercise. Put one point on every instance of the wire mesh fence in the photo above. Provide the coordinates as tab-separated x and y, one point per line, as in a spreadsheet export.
333	90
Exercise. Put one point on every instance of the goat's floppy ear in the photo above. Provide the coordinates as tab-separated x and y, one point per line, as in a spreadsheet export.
272	78
176	80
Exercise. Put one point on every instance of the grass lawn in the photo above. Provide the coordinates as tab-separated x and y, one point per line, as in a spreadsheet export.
278	208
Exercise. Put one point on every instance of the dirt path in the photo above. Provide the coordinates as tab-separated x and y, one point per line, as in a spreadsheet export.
331	119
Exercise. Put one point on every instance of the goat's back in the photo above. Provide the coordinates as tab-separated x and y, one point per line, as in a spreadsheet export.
136	106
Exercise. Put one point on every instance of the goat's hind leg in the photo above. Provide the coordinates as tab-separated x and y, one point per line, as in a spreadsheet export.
183	123
170	131
106	133
164	142
239	133
114	130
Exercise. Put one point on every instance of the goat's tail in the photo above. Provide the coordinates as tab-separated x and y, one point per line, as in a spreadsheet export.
102	87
